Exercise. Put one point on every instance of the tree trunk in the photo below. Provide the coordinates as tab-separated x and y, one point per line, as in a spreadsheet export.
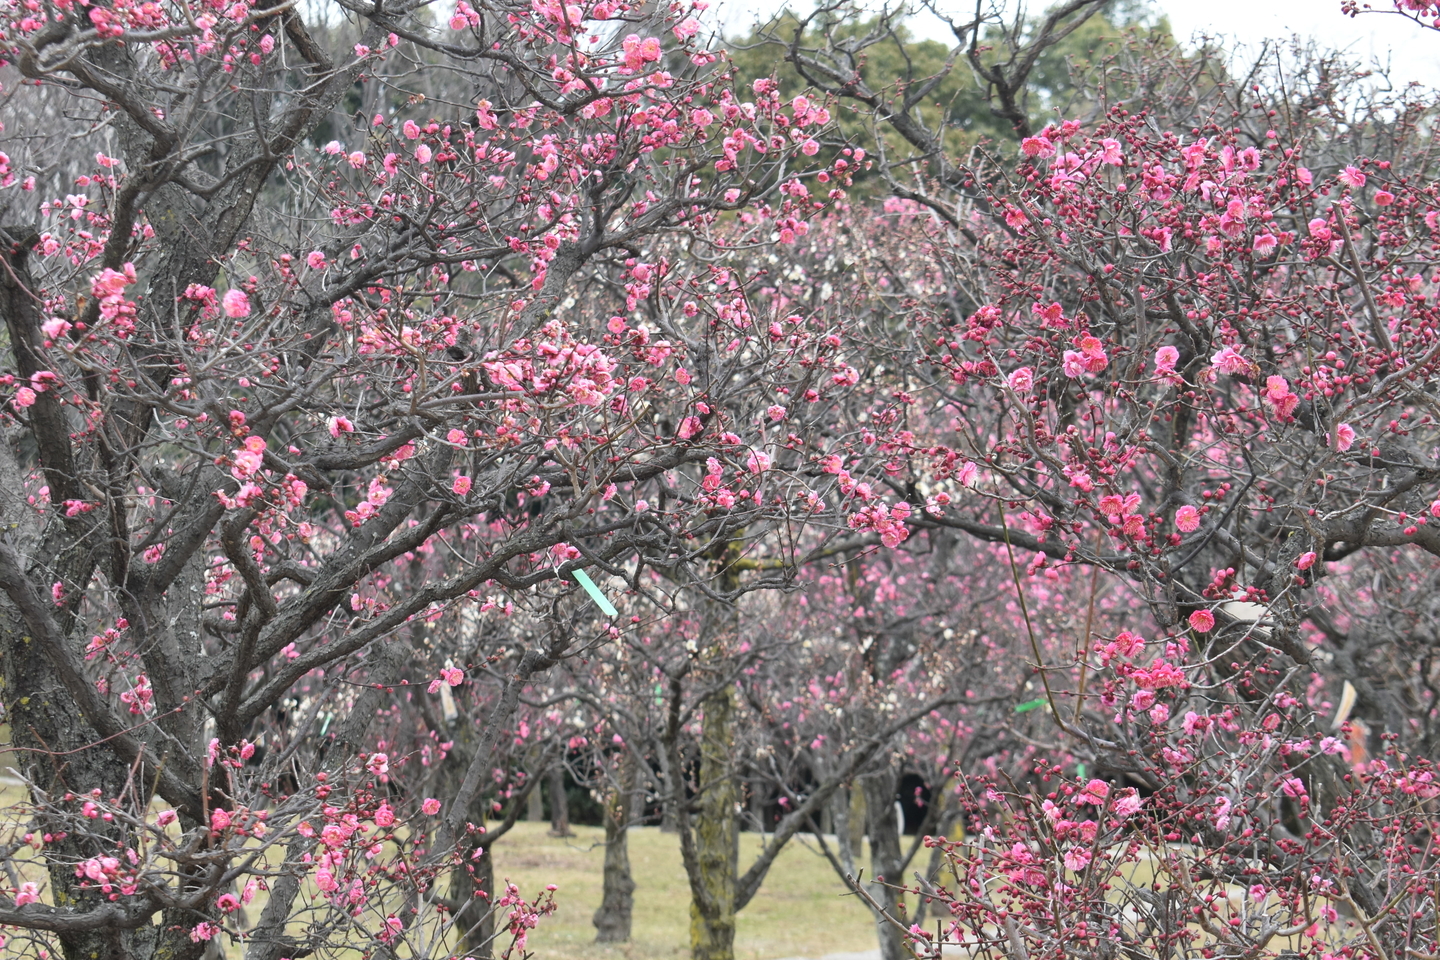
885	858
712	915
947	824
473	887
668	823
612	920
757	804
559	803
845	842
53	746
857	818
534	769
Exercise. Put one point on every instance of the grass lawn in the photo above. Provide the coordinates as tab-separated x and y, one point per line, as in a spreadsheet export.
799	911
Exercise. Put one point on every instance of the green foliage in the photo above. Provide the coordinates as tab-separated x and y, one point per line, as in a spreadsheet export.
1063	81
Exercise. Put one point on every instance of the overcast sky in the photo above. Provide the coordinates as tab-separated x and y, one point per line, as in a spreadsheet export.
1413	53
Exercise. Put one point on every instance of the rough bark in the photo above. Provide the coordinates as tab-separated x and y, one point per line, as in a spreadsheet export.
712	906
612	919
56	749
559	803
535	807
473	888
855	815
886	861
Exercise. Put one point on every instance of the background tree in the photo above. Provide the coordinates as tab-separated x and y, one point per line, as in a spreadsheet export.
254	376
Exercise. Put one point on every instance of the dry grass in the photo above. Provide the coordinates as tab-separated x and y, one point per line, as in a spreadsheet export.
800	910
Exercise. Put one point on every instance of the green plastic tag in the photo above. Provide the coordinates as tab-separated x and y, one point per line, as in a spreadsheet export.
1031	705
583	578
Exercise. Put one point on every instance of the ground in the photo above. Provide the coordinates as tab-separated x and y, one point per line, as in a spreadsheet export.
799	911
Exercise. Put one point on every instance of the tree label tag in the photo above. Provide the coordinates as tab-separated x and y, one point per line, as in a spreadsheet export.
583	578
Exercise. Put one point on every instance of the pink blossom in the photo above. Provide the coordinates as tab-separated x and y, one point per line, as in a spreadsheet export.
453	676
1187	519
688	428
1229	362
316	260
1094	792
219	820
24	397
431	806
165	818
1277	391
1165	359
1352	177
378	764
1293	787
1128	802
1306	560
339	425
1077	858
411	130
1022	380
227	902
1344	436
461	486
28	893
1383	198
111	284
384	815
203	931
1128	644
236	303
1202	621
1037	147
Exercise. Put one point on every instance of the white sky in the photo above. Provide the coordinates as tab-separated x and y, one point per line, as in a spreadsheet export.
1413	53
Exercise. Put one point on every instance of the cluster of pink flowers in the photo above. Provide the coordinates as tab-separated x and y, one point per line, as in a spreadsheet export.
888	520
